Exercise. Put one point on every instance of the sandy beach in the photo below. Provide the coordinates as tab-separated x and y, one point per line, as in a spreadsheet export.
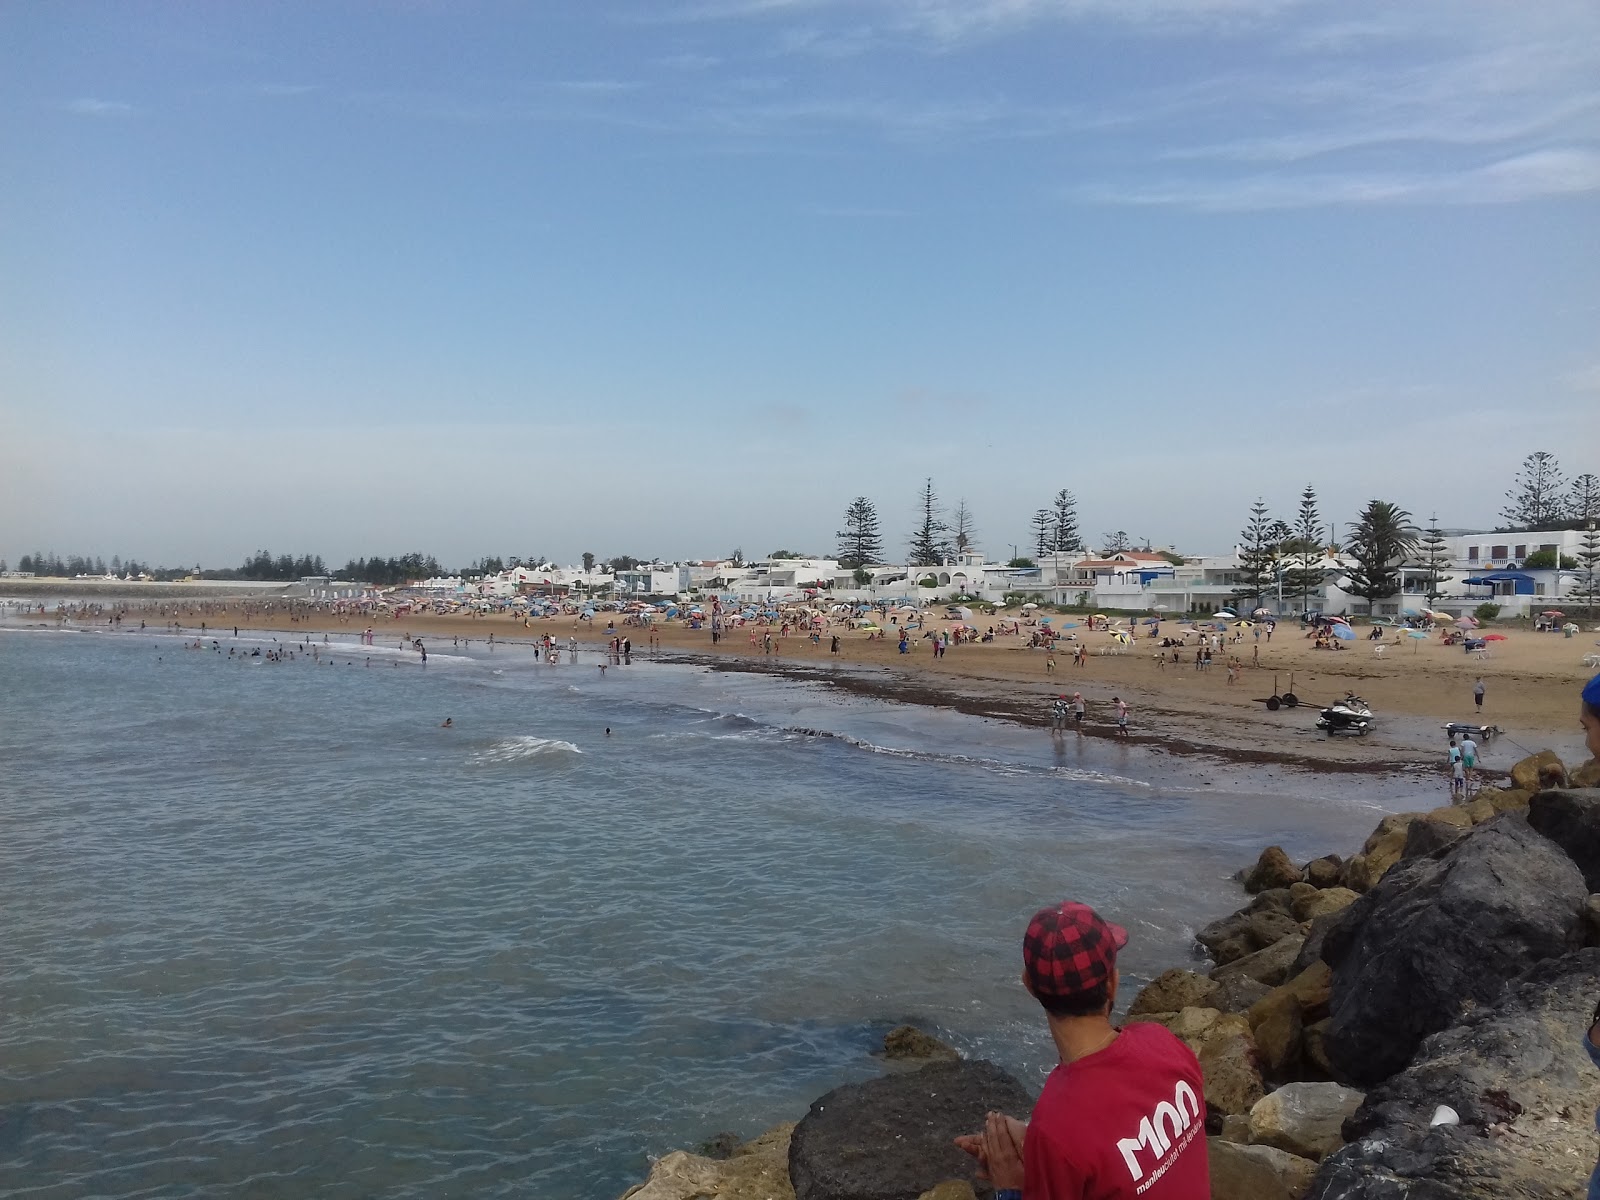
1531	679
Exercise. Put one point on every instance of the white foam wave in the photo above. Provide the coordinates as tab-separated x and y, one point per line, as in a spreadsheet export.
517	749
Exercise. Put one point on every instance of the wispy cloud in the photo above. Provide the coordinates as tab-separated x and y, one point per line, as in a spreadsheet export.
88	106
1536	175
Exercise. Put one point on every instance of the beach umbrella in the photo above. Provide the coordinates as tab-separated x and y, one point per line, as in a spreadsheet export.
1344	633
1552	612
1417	633
1223	614
1262	612
1411	612
1494	637
1469	622
1029	607
1151	621
1158	608
1443	618
1243	625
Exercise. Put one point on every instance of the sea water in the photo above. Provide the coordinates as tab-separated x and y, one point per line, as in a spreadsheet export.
269	930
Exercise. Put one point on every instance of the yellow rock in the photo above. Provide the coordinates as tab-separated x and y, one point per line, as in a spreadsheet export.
758	1170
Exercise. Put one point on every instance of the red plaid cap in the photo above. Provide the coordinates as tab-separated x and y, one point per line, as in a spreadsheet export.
1068	950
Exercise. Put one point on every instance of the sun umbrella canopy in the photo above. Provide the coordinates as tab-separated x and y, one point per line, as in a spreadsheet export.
1469	622
1445	618
1242	625
1494	637
1223	613
1416	633
1152	621
1552	612
1344	633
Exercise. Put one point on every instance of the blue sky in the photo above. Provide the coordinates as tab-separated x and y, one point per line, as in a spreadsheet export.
675	276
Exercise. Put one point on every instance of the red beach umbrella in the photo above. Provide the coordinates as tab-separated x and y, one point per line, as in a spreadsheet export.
1494	637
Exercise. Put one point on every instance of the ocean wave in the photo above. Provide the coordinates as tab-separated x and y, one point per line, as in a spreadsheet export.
516	749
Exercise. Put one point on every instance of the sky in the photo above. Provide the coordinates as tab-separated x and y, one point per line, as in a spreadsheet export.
667	277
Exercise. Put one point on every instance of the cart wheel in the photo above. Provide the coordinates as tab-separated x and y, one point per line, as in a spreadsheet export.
1273	703
1291	700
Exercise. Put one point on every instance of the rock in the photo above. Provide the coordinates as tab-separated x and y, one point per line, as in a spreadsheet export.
1480	809
1277	1026
1311	952
1309	991
1533	772
719	1145
1236	1128
1504	799
1379	852
1314	1049
1591	921
1450	814
1272	870
1318	904
1256	1172
1303	1118
1233	937
1298	891
1238	992
889	1138
909	1042
1437	932
950	1189
1513	1071
1269	966
1324	872
1587	775
1426	835
1173	990
756	1170
1570	817
1278	899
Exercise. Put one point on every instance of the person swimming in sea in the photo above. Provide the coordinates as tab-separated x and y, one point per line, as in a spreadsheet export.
449	723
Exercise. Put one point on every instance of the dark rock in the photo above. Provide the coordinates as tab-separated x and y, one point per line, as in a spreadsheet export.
1437	932
1245	932
1278	899
909	1042
1324	872
1237	993
1269	966
1591	921
1273	869
1514	1072
890	1138
1311	950
1425	835
1570	818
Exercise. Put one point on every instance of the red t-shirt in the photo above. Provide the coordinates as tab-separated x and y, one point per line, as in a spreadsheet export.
1127	1121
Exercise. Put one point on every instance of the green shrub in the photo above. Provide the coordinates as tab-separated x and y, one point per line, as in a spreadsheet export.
1486	611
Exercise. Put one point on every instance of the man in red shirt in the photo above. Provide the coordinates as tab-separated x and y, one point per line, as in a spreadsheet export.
1121	1117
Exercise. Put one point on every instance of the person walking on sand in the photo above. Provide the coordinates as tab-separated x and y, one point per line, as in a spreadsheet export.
1477	694
1458	776
1058	714
1469	761
1079	707
1122	715
1092	1135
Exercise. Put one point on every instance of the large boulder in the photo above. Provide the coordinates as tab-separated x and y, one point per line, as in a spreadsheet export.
1379	852
1318	904
1274	869
1311	950
1257	1172
1570	817
1324	872
1539	771
1269	966
891	1137
1426	835
907	1043
1173	990
1587	775
1524	1089
1230	938
1440	932
756	1170
1303	1118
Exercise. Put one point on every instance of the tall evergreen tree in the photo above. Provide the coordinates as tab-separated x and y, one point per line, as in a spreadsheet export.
1589	563
1115	543
1043	532
1258	555
1305	549
928	539
1583	500
1379	544
963	531
1434	554
1065	537
860	543
1536	496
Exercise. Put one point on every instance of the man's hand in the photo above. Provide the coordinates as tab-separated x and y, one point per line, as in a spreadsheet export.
1002	1150
972	1143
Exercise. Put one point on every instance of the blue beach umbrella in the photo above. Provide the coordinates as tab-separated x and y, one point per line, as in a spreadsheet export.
1418	634
1344	633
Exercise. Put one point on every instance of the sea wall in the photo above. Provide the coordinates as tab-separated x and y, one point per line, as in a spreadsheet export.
1402	1023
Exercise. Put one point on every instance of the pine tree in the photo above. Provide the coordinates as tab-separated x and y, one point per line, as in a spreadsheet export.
1380	542
1258	555
963	529
1065	536
1536	494
1115	543
1435	556
1043	532
1305	549
1589	563
860	543
928	539
1583	500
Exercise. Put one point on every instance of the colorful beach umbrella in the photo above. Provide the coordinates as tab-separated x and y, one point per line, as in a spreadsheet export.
1417	633
1344	633
1494	637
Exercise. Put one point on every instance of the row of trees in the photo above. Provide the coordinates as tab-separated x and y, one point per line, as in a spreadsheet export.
1542	498
936	538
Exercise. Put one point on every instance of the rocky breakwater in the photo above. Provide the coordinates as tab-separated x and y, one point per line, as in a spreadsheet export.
1402	1024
